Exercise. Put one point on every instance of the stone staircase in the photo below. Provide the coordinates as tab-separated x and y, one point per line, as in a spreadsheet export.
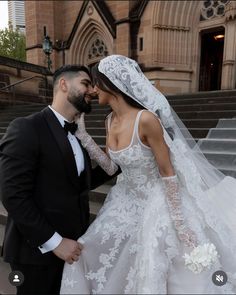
200	112
219	146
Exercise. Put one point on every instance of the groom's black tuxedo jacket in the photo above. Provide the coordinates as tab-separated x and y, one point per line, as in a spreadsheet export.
40	187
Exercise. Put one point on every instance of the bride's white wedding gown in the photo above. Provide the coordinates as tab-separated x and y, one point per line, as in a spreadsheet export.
132	246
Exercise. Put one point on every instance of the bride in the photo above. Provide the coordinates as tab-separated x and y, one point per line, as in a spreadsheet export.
169	222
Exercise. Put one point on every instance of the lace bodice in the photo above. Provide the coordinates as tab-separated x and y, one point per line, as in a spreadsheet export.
136	161
132	246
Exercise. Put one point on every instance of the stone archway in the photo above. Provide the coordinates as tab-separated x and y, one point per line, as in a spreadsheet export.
172	34
177	27
91	43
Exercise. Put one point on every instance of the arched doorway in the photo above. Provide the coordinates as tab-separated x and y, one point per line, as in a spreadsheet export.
212	47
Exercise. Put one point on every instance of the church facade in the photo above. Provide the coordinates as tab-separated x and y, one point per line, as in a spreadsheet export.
182	46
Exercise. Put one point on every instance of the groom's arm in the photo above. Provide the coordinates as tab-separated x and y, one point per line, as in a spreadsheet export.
18	168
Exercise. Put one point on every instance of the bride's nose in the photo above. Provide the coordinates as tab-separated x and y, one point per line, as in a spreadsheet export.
95	89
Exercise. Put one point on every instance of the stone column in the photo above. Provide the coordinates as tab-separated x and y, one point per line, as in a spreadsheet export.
122	43
229	64
228	67
37	15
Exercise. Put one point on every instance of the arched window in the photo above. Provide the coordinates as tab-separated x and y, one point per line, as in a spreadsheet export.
213	8
97	50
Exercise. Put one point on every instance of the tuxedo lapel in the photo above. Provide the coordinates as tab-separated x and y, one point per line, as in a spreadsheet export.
63	144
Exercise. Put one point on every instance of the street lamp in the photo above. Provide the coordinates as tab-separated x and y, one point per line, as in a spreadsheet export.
47	48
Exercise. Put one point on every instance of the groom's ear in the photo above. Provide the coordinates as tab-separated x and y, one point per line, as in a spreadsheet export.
63	84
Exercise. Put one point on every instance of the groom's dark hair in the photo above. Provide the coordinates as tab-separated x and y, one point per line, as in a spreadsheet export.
70	71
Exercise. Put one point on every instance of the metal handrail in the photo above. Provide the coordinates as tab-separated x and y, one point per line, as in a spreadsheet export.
21	81
12	86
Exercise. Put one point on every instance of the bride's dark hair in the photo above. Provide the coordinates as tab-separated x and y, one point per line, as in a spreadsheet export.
102	82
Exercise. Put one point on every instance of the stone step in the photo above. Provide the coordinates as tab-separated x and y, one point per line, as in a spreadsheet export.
93	131
18	113
179	101
11	112
4	123
201	100
2	233
100	139
11	117
94	209
101	110
221	160
222	133
211	144
207	114
92	117
6	102
96	132
94	102
205	107
195	132
93	123
189	123
3	215
14	113
228	171
5	286
227	123
19	107
214	94
99	194
198	132
200	123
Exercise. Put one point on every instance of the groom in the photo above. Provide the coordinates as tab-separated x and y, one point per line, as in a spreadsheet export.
45	177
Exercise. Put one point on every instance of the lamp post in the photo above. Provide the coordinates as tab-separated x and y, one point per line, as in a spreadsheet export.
47	48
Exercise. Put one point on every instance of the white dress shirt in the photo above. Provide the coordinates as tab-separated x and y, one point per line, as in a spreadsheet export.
56	239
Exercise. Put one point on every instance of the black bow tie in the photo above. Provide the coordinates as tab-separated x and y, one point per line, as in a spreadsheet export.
70	127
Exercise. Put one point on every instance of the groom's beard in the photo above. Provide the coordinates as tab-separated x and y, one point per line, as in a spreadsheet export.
79	102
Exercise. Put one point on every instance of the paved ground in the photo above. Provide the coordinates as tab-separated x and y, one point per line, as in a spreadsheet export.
5	286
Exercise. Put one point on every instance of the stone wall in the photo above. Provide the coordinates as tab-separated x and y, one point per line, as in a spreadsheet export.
169	33
33	80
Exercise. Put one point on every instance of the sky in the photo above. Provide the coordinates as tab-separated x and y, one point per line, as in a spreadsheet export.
3	14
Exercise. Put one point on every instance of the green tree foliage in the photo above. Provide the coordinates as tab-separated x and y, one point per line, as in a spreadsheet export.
12	43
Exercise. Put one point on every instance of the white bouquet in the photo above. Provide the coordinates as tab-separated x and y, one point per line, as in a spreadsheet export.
201	257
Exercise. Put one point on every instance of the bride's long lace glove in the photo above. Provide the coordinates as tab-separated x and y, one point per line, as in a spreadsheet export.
93	149
185	234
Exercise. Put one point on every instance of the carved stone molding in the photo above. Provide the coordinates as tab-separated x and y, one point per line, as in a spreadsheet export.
173	28
90	10
230	11
229	62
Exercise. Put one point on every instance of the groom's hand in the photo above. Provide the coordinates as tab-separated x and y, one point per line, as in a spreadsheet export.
68	250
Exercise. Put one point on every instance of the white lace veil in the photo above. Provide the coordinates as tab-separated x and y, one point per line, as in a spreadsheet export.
127	76
193	170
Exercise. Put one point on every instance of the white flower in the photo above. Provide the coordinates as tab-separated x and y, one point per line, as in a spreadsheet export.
201	257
